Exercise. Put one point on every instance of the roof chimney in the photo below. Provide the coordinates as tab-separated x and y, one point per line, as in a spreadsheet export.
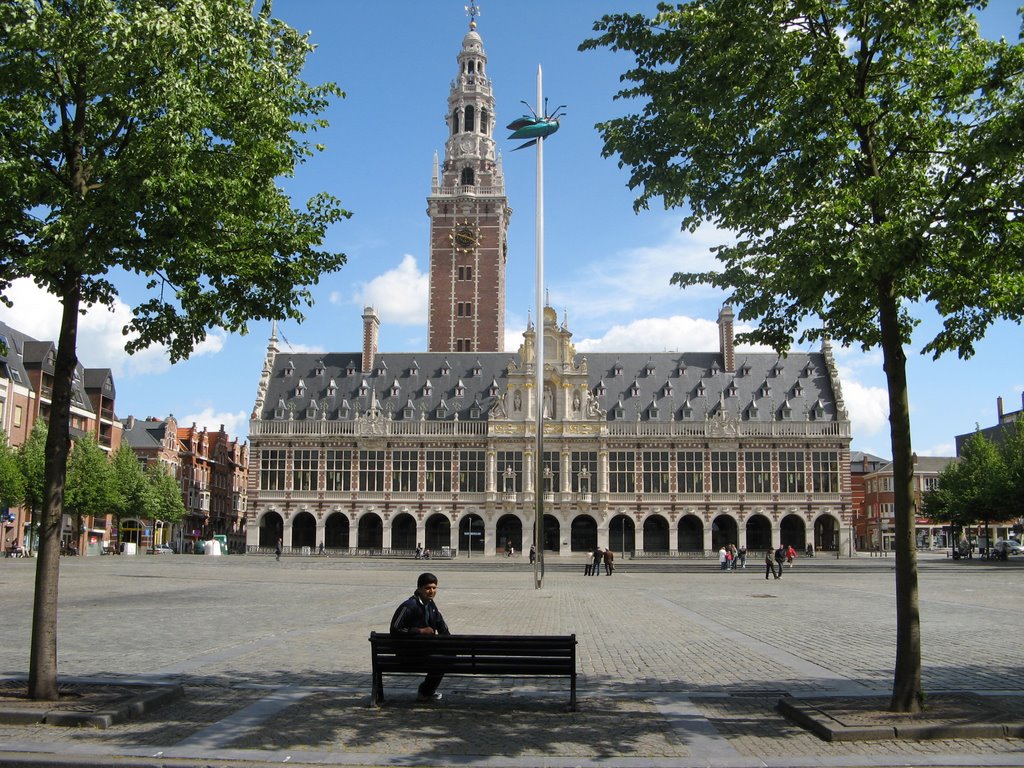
725	340
999	410
371	327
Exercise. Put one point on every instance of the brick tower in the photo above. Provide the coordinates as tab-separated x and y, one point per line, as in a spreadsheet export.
469	217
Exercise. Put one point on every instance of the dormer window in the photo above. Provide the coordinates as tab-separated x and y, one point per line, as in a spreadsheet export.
300	388
427	387
396	389
350	369
752	410
382	370
332	388
279	410
477	369
730	391
460	389
667	389
344	411
714	368
619	411
442	410
634	389
599	390
687	409
289	368
492	391
745	370
409	409
475	411
701	389
786	410
766	389
445	368
818	410
363	388
319	370
809	369
681	370
777	369
414	369
649	369
617	370
798	389
652	410
311	411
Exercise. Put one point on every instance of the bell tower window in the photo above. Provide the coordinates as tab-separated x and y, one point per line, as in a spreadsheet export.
455	122
467	178
470	119
483	121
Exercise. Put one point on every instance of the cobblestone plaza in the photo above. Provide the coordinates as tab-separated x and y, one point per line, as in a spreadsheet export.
676	668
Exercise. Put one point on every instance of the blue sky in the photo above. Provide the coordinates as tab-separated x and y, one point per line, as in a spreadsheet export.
607	268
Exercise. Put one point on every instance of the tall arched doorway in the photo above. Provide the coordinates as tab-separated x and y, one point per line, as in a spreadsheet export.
691	534
403	532
759	532
271	529
371	531
583	534
826	533
793	532
622	534
471	534
336	530
552	534
509	531
438	533
303	531
656	534
724	531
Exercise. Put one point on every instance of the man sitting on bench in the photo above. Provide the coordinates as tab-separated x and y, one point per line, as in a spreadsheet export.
419	615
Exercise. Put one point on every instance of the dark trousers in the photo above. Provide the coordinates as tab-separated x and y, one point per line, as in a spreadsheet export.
769	567
430	683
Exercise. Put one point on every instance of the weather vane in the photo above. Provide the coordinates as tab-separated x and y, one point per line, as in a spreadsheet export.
472	11
533	126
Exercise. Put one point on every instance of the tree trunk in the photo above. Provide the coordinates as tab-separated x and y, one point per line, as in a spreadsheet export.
42	678
906	687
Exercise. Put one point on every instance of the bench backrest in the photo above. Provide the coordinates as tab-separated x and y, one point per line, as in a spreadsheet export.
556	652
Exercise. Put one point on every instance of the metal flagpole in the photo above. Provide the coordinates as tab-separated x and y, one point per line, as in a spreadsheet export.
538	567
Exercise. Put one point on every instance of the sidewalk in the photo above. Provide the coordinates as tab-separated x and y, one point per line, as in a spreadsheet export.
680	669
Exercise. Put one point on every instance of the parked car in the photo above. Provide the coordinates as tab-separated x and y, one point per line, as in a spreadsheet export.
1014	548
161	549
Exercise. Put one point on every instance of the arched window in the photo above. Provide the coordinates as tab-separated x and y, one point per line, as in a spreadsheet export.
471	66
455	122
467	177
483	122
469	127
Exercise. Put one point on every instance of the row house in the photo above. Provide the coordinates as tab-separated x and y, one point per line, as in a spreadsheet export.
26	389
876	525
211	468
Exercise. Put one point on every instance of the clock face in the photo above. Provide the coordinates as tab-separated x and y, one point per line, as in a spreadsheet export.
465	238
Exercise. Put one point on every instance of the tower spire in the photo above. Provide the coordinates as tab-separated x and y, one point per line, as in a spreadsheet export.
472	11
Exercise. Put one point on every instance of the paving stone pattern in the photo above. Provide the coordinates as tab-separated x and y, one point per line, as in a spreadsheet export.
676	668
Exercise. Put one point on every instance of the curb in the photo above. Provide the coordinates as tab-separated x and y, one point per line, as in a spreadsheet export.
104	718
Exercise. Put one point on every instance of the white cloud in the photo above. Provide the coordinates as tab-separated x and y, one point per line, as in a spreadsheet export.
639	277
868	406
235	424
942	449
399	295
100	331
658	334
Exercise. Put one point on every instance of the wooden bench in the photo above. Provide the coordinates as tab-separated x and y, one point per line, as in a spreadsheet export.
487	655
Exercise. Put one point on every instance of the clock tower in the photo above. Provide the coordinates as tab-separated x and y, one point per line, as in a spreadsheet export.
469	217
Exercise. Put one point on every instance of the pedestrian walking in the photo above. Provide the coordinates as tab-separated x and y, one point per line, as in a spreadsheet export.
533	554
723	558
790	555
742	555
598	558
278	548
780	558
769	565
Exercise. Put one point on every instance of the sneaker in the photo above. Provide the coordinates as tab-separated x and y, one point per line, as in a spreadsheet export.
431	697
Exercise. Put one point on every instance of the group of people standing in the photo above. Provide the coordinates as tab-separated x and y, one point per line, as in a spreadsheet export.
597	557
730	557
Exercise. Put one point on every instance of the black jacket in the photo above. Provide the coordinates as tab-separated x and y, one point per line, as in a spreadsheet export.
415	614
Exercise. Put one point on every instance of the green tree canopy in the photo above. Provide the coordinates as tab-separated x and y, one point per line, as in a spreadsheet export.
129	483
971	489
867	159
148	138
32	460
90	487
163	498
12	482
